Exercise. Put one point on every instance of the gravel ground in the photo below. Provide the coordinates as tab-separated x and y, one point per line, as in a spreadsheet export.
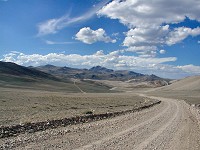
170	125
19	106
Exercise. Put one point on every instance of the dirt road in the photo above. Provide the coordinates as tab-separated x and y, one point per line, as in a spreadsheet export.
169	125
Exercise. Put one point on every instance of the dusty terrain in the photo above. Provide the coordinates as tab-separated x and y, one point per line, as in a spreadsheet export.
169	125
187	89
20	106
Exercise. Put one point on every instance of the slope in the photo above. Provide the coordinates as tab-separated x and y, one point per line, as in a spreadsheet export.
189	84
187	89
16	76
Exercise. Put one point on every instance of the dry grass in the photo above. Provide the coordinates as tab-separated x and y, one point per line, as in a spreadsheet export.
20	105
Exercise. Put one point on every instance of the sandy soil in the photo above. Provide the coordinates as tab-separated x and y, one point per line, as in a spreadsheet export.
170	125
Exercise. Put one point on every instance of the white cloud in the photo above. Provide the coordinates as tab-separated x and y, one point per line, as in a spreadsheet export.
151	36
149	22
89	36
198	42
141	48
113	60
52	26
143	13
99	53
148	39
162	51
190	68
147	53
180	34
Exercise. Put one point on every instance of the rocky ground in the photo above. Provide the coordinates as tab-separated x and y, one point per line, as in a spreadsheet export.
169	125
21	106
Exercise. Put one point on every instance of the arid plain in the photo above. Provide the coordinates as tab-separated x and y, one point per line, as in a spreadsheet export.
173	123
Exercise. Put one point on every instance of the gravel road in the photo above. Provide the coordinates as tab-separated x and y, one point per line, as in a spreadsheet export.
167	126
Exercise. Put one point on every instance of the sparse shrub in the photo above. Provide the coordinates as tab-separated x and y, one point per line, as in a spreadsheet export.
89	112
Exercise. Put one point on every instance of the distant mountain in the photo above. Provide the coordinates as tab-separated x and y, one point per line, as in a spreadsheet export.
60	72
8	68
102	73
51	77
101	69
16	76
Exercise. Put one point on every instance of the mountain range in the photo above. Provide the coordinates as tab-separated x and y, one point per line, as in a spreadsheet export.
13	72
97	73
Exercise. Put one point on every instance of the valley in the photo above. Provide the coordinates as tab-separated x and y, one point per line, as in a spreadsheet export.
29	96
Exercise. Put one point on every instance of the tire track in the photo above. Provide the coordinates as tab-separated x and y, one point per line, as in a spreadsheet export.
159	132
167	126
98	142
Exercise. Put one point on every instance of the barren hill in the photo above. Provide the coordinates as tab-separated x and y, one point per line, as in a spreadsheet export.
16	76
12	69
187	89
189	84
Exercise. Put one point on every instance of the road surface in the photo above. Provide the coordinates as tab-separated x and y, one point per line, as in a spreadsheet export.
78	86
167	126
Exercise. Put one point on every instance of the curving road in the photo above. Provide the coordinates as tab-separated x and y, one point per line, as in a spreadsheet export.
168	126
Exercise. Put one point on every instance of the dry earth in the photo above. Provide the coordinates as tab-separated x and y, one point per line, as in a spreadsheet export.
170	125
187	89
23	106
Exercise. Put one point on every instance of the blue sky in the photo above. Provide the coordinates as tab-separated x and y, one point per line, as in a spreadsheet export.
153	37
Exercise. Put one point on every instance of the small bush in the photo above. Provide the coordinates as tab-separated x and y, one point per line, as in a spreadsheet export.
89	112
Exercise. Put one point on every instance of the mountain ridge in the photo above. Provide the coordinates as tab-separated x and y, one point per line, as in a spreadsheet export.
13	69
20	77
101	73
55	73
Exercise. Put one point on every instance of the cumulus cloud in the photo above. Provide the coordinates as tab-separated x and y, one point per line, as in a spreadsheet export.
142	13
146	37
52	26
113	60
149	22
180	34
162	51
99	53
89	36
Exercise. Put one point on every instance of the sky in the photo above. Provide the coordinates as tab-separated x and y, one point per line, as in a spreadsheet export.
152	37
